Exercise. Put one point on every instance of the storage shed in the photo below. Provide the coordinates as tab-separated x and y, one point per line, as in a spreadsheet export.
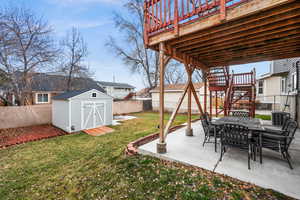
82	109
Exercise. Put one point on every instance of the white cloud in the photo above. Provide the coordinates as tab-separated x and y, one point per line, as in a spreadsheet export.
61	26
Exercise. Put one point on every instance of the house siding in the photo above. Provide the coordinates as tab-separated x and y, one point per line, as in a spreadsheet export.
289	66
172	97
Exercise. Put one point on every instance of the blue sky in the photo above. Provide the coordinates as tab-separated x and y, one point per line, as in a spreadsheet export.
94	20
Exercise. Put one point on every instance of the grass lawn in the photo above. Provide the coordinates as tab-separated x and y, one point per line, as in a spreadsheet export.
263	117
80	166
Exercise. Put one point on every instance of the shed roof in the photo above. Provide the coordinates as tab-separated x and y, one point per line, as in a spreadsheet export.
70	94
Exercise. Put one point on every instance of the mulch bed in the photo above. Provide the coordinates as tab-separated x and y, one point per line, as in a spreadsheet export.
14	136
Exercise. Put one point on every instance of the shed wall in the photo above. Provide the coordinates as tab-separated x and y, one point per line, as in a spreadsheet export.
60	114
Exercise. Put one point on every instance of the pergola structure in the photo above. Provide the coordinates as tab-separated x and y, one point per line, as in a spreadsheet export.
204	34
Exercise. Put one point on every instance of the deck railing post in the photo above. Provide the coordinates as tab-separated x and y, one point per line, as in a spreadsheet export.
222	10
176	18
161	145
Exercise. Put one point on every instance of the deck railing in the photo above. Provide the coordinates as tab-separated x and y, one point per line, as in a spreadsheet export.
162	15
244	78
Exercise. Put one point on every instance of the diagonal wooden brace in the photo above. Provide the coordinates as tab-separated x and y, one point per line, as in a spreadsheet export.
197	99
176	110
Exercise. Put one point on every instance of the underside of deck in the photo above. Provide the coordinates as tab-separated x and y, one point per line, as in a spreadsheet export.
256	30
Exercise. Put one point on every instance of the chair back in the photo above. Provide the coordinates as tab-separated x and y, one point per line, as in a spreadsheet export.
205	125
290	131
286	120
243	114
206	117
235	135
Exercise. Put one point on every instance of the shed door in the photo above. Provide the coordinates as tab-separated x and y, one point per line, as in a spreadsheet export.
93	114
99	114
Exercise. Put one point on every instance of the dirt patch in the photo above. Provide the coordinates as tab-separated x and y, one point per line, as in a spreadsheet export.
13	136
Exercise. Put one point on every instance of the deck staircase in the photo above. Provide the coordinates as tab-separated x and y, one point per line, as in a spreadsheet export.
237	90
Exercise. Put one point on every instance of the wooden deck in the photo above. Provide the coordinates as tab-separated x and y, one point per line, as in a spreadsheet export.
203	34
249	31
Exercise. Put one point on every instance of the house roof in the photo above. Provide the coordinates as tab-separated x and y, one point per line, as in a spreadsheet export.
113	84
178	87
58	83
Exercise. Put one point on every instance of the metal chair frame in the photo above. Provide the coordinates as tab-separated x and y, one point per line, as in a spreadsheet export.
238	136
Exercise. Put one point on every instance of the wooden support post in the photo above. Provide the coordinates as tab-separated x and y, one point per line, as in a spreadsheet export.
175	111
189	130
216	102
210	103
161	145
205	91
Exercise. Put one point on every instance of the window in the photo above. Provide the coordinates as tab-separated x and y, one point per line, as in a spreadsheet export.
94	94
260	87
42	98
294	81
283	85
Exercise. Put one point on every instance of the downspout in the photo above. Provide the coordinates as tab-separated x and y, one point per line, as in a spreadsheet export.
297	90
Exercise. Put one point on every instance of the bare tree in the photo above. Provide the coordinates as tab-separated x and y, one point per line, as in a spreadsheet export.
134	54
74	52
175	73
25	45
198	76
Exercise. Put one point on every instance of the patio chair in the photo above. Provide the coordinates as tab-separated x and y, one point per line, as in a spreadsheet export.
279	143
286	120
237	136
209	130
243	114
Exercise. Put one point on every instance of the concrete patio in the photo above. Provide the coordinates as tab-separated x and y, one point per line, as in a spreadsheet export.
274	173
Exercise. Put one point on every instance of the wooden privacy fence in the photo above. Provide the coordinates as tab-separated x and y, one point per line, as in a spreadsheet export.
22	116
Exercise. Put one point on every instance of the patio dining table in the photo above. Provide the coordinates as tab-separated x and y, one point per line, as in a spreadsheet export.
253	124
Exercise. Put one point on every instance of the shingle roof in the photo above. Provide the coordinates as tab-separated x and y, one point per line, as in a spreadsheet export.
113	84
46	82
178	87
70	94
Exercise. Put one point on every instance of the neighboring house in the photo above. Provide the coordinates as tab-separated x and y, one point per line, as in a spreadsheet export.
44	86
116	90
267	88
278	87
173	93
